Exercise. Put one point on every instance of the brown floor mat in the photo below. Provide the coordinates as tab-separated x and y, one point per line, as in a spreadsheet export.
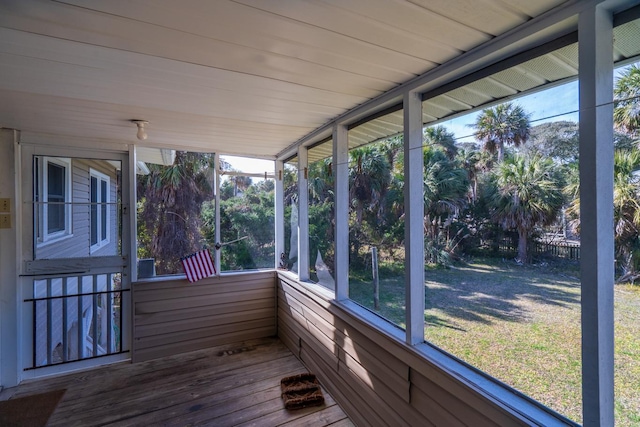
301	391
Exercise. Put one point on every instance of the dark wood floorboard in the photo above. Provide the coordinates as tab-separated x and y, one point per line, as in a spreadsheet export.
230	385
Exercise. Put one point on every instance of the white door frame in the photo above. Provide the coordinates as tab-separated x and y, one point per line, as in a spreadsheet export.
30	268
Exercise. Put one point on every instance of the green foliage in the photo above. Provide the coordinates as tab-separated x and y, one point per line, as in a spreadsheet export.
247	226
170	199
502	125
626	113
440	137
525	192
556	140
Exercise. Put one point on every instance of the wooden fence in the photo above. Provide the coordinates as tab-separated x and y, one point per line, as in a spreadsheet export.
569	251
559	250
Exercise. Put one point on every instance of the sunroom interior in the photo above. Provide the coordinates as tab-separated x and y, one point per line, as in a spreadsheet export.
296	86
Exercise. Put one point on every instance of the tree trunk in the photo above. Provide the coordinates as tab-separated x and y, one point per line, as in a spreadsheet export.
522	246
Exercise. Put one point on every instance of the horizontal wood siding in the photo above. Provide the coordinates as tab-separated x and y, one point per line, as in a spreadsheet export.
175	316
376	379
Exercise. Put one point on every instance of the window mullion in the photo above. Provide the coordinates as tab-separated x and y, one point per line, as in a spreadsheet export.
414	216
303	215
279	211
341	191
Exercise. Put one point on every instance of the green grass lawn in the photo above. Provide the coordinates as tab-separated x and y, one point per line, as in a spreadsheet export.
521	325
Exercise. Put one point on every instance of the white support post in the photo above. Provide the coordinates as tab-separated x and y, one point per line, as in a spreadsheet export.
596	214
11	305
216	166
341	191
279	211
303	214
414	217
133	214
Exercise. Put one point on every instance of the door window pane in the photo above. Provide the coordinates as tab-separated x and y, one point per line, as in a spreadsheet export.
56	197
77	217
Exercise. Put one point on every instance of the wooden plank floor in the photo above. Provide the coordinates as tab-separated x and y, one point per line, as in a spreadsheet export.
231	385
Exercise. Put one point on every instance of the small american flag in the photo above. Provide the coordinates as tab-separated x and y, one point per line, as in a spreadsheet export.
198	265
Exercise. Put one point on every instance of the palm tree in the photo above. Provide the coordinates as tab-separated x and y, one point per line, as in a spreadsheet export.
369	177
626	210
469	160
445	189
171	199
439	136
445	186
504	124
525	193
627	105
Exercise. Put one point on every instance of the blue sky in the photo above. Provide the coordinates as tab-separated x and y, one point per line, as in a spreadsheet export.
554	104
549	105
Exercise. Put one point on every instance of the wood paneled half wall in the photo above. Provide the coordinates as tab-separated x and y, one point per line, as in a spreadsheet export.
174	316
377	379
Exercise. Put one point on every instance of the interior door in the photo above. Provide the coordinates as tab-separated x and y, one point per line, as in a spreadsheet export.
75	275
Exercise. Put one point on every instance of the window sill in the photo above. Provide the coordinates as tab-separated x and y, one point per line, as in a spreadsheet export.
53	240
98	246
182	276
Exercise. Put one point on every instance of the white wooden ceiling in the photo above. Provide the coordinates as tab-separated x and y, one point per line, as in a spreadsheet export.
246	77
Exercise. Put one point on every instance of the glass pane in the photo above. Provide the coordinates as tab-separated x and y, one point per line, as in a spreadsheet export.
376	225
627	248
67	224
289	260
321	215
56	183
104	193
247	216
176	211
94	210
502	243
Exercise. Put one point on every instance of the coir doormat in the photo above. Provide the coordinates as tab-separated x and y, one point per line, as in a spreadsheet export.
29	411
300	391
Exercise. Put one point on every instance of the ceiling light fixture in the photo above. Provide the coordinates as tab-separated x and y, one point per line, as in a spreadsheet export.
142	134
